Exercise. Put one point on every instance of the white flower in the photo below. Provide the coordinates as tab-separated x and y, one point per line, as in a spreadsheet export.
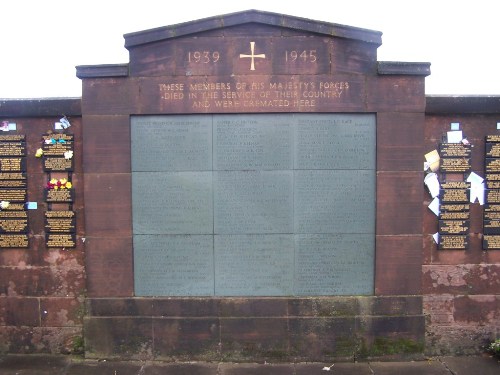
68	154
4	205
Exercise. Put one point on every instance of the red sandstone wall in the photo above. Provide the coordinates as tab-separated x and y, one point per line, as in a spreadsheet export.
461	287
42	290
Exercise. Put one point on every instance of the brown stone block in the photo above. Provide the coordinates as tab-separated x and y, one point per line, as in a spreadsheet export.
15	257
19	311
61	340
395	215
337	368
119	337
108	203
461	279
399	141
322	339
396	93
242	307
202	368
186	339
109	96
252	93
398	265
391	335
109	267
42	281
185	307
349	56
438	310
323	306
484	309
61	312
120	306
400	305
107	144
254	338
21	340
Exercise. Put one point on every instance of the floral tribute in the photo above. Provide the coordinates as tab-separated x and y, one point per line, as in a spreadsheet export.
55	184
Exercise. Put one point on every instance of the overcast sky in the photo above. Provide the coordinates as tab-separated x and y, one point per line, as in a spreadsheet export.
42	41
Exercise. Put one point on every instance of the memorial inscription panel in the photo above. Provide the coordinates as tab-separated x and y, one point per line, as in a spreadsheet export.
253	205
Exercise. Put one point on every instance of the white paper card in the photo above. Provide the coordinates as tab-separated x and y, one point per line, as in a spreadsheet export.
432	183
455	136
434	206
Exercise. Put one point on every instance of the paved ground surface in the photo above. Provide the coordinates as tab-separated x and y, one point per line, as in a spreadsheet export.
56	365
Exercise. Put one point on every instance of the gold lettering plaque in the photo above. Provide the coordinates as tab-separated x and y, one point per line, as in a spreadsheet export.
452	242
491	242
59	196
14	241
60	240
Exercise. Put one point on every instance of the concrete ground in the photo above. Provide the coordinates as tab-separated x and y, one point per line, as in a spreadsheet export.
61	365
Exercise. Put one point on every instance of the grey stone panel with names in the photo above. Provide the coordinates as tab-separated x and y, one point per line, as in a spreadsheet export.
334	201
171	143
340	141
172	203
249	142
254	265
173	265
334	264
253	202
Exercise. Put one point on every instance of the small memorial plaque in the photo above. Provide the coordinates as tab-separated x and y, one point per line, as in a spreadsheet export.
451	242
13	195
454	150
12	176
493	138
12	138
13	164
14	241
12	149
455	165
60	240
54	138
455	185
492	184
13	184
453	227
57	149
491	226
492	150
452	215
59	196
492	165
57	164
454	195
13	214
491	242
492	196
13	225
59	224
454	207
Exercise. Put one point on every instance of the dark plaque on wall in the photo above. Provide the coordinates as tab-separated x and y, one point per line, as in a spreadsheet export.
13	164
57	149
455	165
453	215
492	165
13	195
14	240
59	196
60	221
493	196
12	149
454	207
452	242
454	150
492	150
491	226
491	242
454	195
60	240
12	138
454	227
57	164
13	225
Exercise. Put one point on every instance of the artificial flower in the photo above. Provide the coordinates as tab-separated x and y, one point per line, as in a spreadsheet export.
39	153
4	205
68	154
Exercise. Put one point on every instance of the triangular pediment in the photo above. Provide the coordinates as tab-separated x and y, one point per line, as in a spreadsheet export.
286	22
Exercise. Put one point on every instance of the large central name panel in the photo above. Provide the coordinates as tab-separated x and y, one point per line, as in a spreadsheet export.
253	205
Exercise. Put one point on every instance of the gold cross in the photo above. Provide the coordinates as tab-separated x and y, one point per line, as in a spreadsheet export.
252	56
